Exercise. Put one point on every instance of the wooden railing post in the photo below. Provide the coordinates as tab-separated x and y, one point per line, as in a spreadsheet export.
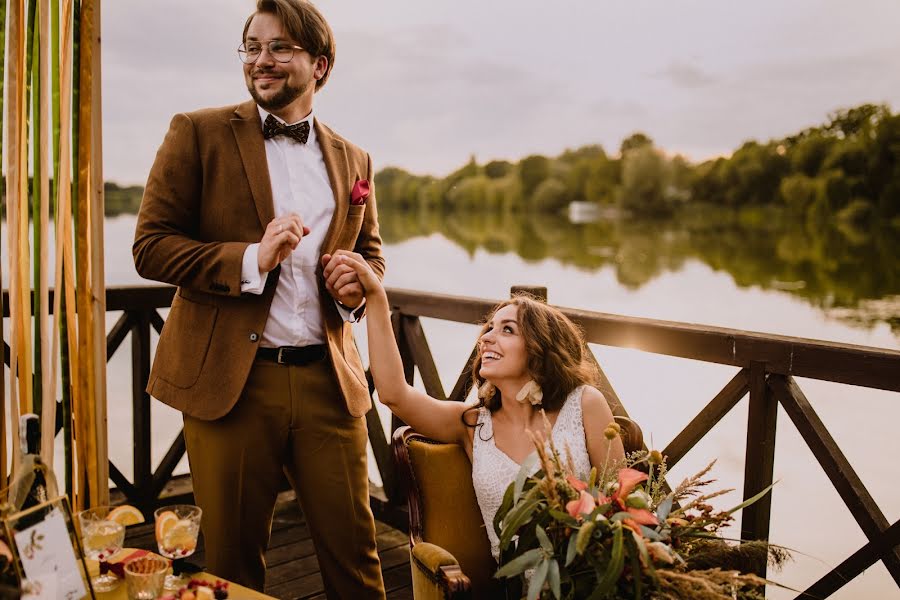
760	458
140	406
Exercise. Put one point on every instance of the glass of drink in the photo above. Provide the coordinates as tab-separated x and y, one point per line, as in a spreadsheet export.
177	528
101	539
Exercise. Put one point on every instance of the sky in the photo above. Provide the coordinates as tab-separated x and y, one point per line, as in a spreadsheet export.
425	85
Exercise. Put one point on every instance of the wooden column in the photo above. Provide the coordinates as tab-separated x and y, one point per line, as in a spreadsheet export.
760	458
140	405
93	486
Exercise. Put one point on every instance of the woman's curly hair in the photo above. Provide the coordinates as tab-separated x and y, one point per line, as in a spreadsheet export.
557	355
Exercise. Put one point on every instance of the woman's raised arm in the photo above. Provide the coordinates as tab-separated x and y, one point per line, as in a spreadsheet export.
437	419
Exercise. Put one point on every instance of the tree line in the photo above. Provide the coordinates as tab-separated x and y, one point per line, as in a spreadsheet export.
117	199
847	168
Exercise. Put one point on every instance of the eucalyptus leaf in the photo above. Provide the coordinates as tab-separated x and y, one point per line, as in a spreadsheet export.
537	580
665	507
505	507
564	518
520	564
545	542
553	578
650	534
524	472
517	517
621	516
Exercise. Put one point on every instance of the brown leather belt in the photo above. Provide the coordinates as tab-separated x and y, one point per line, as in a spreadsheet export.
293	355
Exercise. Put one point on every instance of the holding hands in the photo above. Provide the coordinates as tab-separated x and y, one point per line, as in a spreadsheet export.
281	237
348	277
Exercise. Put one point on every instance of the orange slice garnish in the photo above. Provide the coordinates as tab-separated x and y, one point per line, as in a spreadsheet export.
126	515
164	522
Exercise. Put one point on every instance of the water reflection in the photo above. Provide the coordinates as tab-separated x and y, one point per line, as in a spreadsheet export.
852	273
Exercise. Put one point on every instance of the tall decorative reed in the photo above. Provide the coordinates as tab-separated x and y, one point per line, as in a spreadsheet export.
53	85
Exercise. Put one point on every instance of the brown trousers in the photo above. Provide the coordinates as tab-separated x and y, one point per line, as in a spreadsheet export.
288	418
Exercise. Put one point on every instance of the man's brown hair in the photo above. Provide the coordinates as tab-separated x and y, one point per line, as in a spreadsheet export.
305	24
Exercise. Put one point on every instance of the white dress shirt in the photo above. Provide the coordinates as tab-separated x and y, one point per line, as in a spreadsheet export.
300	185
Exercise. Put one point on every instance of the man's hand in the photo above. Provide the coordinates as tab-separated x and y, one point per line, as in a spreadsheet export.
342	279
281	237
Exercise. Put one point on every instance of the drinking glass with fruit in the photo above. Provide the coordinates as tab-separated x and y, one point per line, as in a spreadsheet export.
102	536
177	528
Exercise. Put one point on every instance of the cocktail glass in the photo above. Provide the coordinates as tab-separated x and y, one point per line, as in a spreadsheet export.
101	539
177	528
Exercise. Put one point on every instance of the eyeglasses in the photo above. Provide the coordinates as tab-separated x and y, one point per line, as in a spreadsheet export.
281	51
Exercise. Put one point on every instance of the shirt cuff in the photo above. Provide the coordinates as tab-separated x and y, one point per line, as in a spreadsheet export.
252	281
351	315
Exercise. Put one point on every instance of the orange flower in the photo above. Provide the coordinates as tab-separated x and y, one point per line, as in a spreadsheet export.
583	506
576	483
643	516
628	479
640	516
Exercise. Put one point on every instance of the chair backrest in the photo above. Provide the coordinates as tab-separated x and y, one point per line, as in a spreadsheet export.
442	505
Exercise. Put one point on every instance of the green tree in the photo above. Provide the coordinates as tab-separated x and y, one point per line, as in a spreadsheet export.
498	168
591	152
471	194
604	178
633	142
799	191
646	177
532	171
809	153
550	196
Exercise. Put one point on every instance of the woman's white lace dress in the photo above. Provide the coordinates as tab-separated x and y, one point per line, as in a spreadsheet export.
493	470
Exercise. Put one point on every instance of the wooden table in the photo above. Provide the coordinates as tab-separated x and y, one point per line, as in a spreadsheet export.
235	591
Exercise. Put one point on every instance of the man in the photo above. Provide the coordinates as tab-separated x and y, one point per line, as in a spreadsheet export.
241	206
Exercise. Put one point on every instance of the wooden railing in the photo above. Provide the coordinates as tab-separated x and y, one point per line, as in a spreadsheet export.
767	365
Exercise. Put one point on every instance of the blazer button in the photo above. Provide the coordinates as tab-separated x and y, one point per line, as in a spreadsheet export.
254	336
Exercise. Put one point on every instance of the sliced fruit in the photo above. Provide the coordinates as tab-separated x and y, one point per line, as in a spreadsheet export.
126	515
182	536
164	522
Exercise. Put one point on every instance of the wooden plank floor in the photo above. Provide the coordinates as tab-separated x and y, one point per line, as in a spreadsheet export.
293	571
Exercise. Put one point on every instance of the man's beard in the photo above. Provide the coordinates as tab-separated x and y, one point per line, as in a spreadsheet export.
282	98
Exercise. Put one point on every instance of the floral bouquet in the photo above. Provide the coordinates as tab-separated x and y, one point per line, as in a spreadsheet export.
621	534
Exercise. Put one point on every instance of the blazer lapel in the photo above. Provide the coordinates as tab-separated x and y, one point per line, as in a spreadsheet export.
335	155
247	129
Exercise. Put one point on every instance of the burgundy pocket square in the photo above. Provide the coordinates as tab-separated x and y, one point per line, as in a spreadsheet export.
360	192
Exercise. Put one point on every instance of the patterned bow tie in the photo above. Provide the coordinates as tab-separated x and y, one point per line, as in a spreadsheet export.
298	132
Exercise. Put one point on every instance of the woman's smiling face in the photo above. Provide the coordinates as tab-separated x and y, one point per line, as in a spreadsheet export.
502	347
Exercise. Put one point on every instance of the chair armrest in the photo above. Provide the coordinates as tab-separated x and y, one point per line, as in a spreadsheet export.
441	569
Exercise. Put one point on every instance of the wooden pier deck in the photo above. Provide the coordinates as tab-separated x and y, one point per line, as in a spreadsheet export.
293	571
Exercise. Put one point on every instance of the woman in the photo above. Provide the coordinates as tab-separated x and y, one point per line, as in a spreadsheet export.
529	356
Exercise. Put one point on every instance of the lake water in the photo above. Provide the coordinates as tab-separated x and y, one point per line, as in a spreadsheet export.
757	279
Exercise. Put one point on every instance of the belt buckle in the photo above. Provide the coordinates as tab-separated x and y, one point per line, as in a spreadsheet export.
280	357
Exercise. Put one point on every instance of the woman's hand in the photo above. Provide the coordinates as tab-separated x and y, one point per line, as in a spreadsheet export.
348	277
